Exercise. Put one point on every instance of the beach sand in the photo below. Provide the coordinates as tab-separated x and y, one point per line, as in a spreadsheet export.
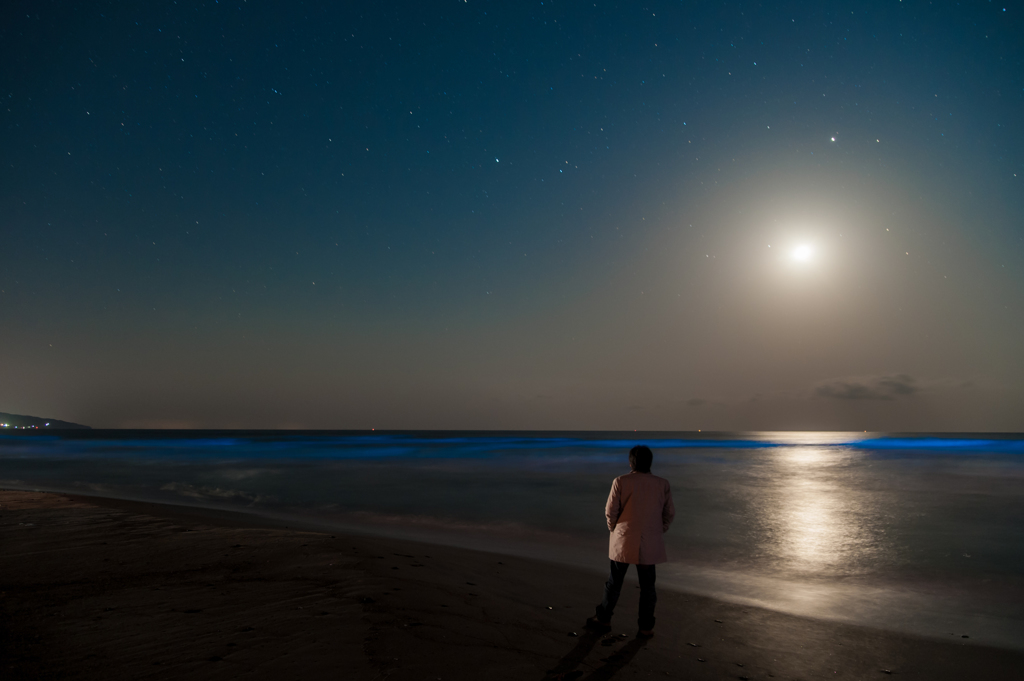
100	588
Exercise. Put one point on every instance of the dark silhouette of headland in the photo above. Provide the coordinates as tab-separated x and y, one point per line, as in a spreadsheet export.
21	422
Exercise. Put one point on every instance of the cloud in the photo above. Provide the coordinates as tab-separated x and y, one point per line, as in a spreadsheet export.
869	388
212	493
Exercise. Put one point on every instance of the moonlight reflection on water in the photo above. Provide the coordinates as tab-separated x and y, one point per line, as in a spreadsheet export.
815	524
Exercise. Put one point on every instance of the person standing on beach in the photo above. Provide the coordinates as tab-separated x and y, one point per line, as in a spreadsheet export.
639	511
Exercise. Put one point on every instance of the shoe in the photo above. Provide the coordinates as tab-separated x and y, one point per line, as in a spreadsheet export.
645	633
595	624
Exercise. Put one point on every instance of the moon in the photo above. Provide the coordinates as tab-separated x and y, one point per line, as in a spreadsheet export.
802	253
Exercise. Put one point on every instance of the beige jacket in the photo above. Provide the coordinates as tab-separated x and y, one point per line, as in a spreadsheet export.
639	511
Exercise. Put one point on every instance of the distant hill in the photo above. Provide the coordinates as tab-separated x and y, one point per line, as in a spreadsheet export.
9	421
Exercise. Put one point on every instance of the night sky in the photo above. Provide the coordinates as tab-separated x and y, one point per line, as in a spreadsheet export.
536	215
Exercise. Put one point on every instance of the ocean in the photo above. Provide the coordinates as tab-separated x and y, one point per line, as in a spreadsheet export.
911	532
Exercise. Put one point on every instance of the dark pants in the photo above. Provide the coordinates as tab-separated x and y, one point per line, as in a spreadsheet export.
612	588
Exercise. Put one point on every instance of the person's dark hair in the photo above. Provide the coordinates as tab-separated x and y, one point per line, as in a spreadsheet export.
640	458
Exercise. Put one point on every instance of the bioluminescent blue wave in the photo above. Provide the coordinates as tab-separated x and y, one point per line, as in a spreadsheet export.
334	446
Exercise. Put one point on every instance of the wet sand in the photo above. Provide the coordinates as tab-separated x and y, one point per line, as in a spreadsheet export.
100	588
